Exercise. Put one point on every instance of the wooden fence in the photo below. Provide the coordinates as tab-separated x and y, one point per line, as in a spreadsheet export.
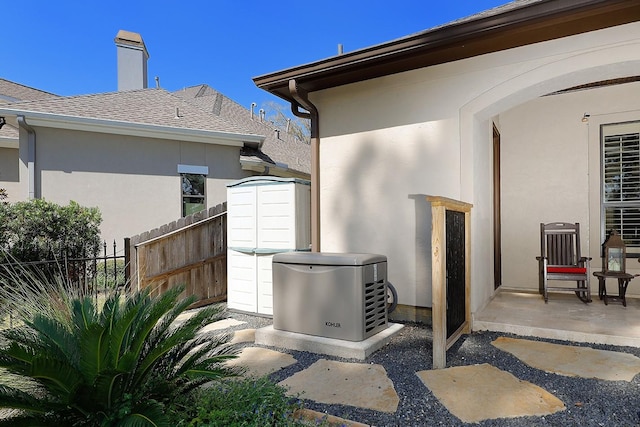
191	251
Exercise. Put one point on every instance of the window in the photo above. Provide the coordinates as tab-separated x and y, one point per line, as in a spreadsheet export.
193	199
621	181
193	180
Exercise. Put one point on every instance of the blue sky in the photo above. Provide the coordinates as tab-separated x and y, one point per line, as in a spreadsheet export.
66	47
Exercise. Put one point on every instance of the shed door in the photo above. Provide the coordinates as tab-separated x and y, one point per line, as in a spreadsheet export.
241	217
455	264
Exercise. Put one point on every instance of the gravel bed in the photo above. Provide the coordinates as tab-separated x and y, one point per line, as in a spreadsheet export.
589	402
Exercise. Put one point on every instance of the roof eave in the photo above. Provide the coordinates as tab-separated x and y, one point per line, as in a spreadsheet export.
278	169
60	121
8	143
531	23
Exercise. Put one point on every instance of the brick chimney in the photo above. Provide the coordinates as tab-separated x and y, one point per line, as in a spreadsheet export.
132	61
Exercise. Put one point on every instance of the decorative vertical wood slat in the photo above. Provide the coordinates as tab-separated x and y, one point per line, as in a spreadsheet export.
193	255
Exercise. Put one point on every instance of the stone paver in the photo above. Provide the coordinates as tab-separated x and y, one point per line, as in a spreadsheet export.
355	384
261	361
571	360
481	392
243	335
221	324
315	418
471	393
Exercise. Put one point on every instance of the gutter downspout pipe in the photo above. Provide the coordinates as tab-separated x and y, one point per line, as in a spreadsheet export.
301	97
31	155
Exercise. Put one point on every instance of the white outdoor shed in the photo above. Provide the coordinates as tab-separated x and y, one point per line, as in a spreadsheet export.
505	110
266	215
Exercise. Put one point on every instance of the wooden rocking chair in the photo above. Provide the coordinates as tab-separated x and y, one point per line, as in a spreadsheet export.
560	260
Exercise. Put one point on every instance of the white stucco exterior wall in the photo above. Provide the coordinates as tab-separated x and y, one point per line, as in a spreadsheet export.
552	173
388	142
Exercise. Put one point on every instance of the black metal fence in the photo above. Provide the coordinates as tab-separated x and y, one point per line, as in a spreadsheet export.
88	274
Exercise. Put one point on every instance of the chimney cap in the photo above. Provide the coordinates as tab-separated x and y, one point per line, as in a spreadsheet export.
129	38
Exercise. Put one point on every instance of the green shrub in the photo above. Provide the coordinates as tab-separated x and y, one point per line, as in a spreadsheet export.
122	364
105	277
240	403
40	230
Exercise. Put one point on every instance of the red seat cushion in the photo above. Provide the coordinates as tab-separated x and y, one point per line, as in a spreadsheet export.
567	270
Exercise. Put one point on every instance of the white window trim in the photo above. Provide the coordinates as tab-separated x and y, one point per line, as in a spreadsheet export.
612	129
193	170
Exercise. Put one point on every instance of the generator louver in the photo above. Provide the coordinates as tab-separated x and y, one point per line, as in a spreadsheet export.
375	307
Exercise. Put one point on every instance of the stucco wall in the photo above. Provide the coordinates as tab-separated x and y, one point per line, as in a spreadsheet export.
134	181
388	142
10	173
551	173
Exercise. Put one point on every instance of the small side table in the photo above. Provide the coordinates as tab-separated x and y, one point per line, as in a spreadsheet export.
623	282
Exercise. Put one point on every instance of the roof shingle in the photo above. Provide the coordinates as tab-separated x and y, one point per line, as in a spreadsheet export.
278	147
145	106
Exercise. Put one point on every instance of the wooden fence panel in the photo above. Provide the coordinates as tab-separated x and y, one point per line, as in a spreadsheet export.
194	255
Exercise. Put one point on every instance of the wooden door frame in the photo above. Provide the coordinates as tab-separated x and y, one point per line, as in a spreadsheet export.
497	232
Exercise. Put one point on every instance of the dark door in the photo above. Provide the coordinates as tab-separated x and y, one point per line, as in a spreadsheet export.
455	265
497	233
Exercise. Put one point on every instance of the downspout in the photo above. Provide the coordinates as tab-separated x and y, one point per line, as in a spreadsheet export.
31	155
301	98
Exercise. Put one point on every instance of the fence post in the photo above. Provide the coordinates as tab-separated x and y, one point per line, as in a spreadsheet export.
441	340
127	262
115	267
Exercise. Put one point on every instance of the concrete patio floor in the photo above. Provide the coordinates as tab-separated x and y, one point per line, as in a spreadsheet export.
564	317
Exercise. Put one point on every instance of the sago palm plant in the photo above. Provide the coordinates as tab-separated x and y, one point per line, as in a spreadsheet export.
72	363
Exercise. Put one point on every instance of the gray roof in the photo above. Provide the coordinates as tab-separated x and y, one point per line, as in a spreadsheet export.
278	147
198	107
144	106
12	92
516	4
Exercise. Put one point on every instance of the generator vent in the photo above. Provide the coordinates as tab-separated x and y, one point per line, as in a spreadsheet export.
375	308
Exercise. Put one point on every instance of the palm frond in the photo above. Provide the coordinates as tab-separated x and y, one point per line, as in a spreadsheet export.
56	337
163	311
17	356
93	346
109	386
206	347
28	421
14	398
167	321
148	414
57	376
121	325
126	362
19	334
83	312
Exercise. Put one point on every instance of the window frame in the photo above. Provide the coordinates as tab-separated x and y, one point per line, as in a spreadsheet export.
633	246
196	171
